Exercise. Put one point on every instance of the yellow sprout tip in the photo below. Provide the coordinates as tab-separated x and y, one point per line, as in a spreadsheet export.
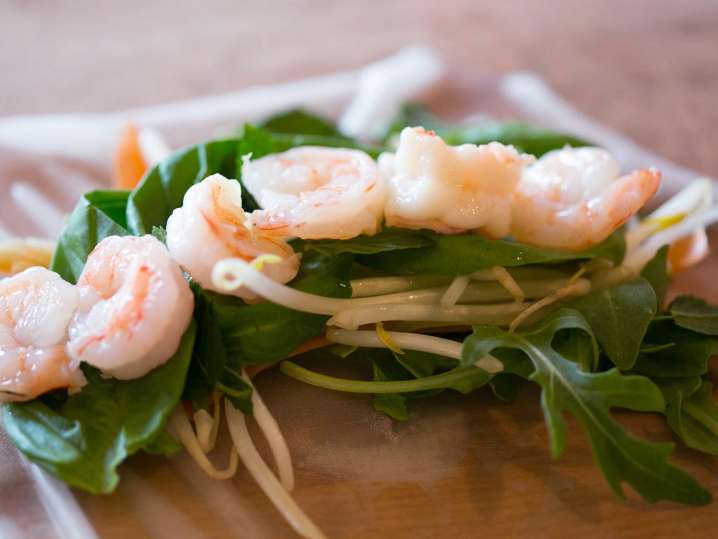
386	339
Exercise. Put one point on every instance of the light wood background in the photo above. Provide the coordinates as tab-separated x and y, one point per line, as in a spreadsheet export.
462	466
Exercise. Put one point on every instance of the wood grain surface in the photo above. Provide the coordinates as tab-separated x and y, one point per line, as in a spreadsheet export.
463	466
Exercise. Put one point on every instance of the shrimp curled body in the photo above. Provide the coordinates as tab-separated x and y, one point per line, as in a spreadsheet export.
574	198
211	225
134	307
316	192
450	189
36	307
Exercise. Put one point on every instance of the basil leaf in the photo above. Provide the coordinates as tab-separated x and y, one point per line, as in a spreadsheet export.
695	314
466	253
688	356
85	439
163	187
97	215
389	239
527	138
590	397
656	273
619	317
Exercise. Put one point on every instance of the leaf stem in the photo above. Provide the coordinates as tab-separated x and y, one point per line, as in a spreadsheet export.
359	386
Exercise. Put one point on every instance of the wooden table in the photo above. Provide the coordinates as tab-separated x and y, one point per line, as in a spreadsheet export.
463	466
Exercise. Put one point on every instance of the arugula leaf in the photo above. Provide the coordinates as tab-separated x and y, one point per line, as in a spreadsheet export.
163	187
590	397
97	215
266	332
301	122
466	253
688	356
84	440
656	273
693	416
411	364
392	404
695	314
619	317
527	138
389	239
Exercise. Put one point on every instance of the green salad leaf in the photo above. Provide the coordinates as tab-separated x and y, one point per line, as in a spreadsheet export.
97	215
692	414
525	137
301	122
84	439
590	398
389	239
619	317
656	273
688	355
411	364
263	333
695	314
163	187
466	253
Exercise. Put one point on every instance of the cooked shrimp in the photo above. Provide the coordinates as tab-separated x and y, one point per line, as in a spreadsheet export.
134	307
36	307
450	189
316	193
211	225
573	198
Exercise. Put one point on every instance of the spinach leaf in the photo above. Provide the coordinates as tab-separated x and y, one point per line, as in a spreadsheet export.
590	397
266	332
688	356
97	215
656	273
301	122
389	239
695	314
619	317
466	253
84	440
527	138
163	187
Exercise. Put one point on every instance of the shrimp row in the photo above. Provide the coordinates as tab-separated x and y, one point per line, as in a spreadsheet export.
115	318
569	199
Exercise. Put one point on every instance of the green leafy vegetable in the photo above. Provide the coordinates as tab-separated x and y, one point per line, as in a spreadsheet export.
411	364
619	317
688	356
97	215
163	187
301	122
266	332
527	138
656	273
590	397
389	239
84	439
466	253
695	314
693	416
